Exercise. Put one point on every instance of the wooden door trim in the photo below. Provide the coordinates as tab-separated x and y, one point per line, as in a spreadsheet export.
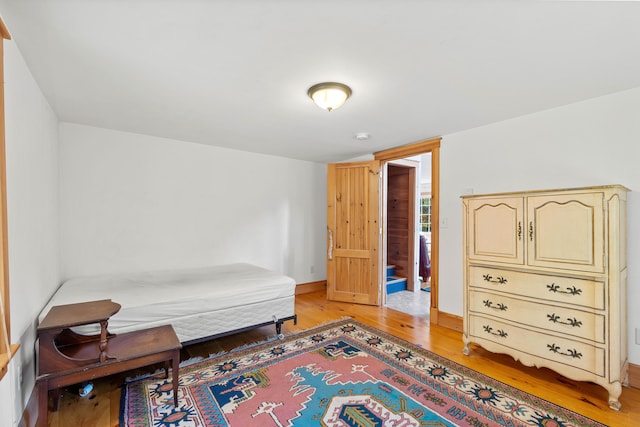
407	150
433	146
7	350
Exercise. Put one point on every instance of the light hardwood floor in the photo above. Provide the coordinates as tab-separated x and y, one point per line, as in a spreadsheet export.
101	408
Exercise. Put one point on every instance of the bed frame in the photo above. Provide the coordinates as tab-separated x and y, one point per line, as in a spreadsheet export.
278	324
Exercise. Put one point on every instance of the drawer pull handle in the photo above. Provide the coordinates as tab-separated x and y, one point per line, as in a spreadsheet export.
570	291
519	230
571	322
573	353
489	278
498	306
499	333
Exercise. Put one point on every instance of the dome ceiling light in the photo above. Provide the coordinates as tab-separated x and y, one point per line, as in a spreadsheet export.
329	95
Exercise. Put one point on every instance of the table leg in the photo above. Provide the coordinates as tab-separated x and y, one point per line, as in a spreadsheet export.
176	374
43	403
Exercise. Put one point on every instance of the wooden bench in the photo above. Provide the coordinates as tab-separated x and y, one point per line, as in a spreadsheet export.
67	358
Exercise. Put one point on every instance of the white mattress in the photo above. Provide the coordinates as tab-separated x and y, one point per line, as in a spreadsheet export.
197	302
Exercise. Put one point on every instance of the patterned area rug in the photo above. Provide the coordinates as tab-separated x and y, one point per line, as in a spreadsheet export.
340	374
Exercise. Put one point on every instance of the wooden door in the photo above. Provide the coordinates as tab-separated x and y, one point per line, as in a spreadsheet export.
566	231
353	232
497	229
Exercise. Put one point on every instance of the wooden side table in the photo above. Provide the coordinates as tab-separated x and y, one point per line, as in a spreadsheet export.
67	358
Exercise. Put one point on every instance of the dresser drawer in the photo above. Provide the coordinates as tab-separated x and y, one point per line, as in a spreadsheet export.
537	345
579	292
547	317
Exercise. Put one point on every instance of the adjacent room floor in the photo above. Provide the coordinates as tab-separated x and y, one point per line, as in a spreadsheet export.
414	303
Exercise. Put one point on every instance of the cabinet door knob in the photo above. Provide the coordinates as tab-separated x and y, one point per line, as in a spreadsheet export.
531	231
519	230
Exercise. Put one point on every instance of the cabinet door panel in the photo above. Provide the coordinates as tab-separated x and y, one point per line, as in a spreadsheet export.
497	229
566	231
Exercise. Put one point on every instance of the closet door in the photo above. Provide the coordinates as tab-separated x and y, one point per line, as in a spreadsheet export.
353	232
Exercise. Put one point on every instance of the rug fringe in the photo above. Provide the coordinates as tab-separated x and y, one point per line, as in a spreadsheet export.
183	364
191	361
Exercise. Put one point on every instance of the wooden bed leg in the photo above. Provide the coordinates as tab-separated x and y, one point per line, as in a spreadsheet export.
43	403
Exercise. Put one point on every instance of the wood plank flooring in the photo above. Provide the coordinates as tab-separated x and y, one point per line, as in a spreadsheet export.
101	408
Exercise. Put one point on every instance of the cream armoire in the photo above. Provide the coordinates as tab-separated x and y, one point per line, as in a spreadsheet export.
545	279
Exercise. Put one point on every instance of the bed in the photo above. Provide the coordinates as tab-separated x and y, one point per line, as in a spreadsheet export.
200	303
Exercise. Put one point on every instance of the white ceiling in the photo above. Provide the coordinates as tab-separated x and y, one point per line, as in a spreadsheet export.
235	73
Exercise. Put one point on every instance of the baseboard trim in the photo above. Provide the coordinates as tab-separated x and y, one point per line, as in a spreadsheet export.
30	413
305	288
634	375
446	320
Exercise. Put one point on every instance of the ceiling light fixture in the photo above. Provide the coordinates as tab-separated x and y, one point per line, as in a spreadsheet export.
329	95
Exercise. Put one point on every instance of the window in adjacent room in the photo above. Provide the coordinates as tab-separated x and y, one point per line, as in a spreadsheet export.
425	213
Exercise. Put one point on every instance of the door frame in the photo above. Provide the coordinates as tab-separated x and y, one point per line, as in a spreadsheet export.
432	146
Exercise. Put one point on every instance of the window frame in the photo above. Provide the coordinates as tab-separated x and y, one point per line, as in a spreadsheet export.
423	196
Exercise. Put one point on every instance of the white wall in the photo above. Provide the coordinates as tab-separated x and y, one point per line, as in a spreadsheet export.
131	202
32	204
596	142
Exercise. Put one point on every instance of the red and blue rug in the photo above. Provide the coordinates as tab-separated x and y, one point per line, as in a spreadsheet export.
341	374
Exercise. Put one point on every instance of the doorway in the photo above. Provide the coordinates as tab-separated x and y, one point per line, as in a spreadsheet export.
431	146
407	221
356	250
